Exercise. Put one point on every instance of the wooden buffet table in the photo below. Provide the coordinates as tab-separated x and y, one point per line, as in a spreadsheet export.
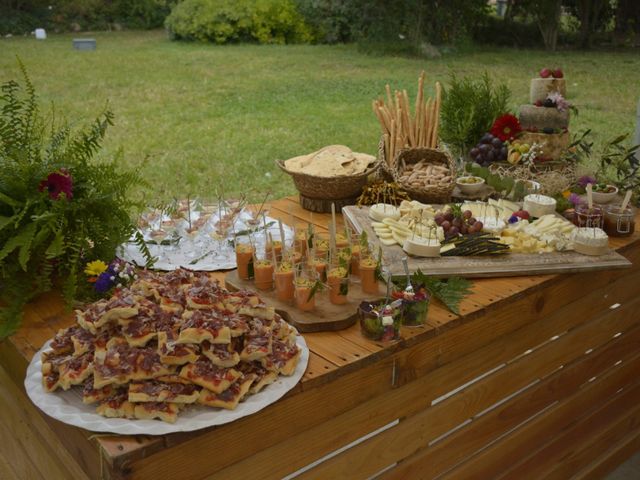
538	377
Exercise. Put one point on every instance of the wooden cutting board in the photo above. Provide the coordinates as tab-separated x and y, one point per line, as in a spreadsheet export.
325	317
511	264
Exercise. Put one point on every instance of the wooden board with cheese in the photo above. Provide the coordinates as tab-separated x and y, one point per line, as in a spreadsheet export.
511	264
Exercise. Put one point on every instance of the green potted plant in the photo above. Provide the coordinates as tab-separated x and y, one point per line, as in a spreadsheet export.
59	207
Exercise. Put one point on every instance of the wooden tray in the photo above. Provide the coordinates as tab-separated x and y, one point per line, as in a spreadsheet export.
512	264
325	317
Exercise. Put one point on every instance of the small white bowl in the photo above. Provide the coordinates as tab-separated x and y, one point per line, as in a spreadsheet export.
599	197
470	188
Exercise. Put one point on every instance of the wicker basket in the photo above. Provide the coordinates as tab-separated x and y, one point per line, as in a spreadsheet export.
330	188
426	193
385	172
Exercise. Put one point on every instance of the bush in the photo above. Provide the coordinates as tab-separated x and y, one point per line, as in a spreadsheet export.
64	15
514	33
224	21
333	21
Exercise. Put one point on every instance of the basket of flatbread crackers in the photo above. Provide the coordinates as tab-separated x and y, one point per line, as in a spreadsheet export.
333	172
170	342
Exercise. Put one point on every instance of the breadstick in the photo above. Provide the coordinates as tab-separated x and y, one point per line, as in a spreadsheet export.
427	124
388	90
374	106
432	121
408	121
436	121
419	106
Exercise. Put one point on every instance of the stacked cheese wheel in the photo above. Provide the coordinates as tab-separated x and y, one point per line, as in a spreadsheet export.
168	341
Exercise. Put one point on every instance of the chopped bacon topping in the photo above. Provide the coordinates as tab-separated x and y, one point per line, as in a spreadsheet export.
153	388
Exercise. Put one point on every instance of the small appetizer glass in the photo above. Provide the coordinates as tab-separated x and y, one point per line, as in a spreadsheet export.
284	277
303	288
244	258
338	280
369	282
379	322
263	273
414	306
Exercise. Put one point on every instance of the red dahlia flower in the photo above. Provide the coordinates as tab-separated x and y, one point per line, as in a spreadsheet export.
506	127
57	183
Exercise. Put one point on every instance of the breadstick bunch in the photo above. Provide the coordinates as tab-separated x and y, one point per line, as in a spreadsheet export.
401	129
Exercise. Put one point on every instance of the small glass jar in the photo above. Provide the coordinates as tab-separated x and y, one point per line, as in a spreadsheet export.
378	322
589	217
618	222
413	312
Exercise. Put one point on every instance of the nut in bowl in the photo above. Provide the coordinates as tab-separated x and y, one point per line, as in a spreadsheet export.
469	184
604	193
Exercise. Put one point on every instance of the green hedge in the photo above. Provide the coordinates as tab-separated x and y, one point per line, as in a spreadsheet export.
20	17
225	21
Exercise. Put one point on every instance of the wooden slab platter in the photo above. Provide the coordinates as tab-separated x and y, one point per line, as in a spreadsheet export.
325	317
511	264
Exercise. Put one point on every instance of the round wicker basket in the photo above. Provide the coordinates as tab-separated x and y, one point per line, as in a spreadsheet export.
426	193
330	188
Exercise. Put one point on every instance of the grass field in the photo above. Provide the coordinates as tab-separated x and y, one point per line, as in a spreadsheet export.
195	116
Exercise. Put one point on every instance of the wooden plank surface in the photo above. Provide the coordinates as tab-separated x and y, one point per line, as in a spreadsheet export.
445	454
437	420
485	266
498	322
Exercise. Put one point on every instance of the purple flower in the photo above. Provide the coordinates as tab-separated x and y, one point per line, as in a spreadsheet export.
57	183
103	283
561	104
575	199
584	180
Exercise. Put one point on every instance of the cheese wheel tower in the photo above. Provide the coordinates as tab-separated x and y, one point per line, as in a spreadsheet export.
544	120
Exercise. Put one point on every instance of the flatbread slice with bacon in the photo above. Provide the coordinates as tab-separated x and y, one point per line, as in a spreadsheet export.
156	391
93	395
76	370
173	353
116	405
220	355
283	358
263	378
199	326
229	398
209	376
167	412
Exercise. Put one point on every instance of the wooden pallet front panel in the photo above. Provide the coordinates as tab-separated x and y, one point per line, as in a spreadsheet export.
411	439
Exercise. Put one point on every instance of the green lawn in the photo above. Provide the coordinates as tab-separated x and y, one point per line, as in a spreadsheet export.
194	116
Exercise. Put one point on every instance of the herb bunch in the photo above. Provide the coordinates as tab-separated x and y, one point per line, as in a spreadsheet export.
59	208
469	108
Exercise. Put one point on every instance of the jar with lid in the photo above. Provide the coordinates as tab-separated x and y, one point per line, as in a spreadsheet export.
618	222
589	217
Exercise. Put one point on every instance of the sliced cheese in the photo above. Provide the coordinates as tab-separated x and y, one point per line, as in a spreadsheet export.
421	247
380	211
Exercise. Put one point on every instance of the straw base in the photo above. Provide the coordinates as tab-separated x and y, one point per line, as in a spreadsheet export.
321	205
